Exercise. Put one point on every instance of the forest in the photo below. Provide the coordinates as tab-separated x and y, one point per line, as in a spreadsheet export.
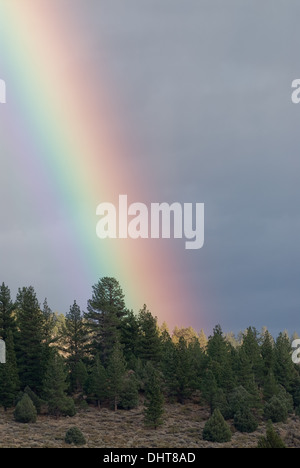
111	359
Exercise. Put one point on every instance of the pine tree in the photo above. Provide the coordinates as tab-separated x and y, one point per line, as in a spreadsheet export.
209	388
73	341
129	337
129	397
25	411
116	370
106	310
154	403
149	345
220	357
244	421
251	348
29	345
55	386
9	378
7	309
97	382
284	368
276	410
272	439
183	371
216	429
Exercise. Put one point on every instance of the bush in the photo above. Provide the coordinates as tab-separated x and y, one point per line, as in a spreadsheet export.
272	439
64	406
75	436
219	401
25	411
276	410
216	429
129	397
286	399
244	421
34	398
239	399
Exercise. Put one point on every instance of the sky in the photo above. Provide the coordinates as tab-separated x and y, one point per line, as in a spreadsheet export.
202	90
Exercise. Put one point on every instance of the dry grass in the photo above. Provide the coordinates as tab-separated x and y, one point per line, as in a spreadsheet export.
182	428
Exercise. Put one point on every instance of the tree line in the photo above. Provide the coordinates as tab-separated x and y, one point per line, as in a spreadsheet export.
108	355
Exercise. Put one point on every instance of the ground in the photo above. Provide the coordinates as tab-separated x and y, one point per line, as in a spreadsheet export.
183	425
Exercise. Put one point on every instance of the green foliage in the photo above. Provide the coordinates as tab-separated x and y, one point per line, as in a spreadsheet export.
97	385
244	421
276	410
149	343
74	436
55	386
29	345
154	403
272	439
238	400
129	396
9	378
106	310
73	342
116	370
219	401
25	411
216	429
7	307
34	398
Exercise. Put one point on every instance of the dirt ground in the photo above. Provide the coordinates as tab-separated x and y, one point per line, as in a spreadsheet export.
183	425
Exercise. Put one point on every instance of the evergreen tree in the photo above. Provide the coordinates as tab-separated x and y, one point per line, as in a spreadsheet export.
129	397
25	411
239	399
149	345
220	357
276	410
106	310
130	337
284	369
270	387
219	401
7	309
216	429
183	370
79	377
30	347
154	403
272	439
116	370
9	378
244	421
97	382
251	348
209	389
73	342
55	386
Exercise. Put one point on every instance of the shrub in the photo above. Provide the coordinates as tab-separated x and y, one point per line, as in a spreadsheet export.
286	399
272	439
276	410
34	398
244	421
25	411
216	429
63	406
129	397
219	401
239	399
75	436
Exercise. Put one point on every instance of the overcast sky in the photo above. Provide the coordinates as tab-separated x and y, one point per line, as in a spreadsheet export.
206	88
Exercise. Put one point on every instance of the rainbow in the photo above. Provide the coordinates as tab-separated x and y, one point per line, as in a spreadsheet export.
70	141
